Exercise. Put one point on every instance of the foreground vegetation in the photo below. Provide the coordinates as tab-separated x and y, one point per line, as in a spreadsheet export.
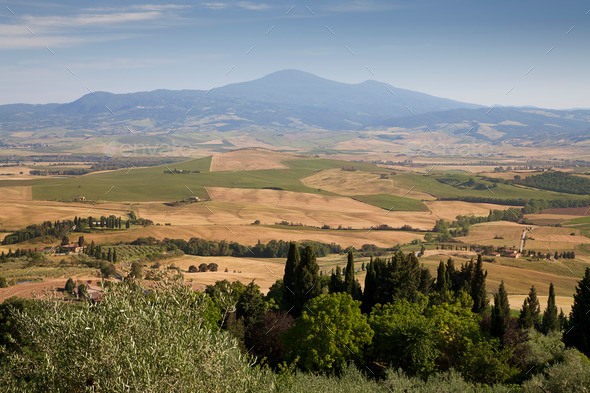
405	332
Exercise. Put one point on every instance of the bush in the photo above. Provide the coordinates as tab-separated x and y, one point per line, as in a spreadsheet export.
192	269
203	267
3	282
165	340
571	375
212	267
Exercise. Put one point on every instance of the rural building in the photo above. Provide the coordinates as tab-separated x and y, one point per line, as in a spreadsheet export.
512	254
80	198
194	198
73	248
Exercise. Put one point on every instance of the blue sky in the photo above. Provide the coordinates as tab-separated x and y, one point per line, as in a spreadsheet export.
503	52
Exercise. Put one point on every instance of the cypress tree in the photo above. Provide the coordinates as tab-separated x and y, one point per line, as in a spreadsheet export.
550	318
290	278
351	285
110	255
531	309
578	335
369	295
504	301
127	224
70	286
115	259
442	284
81	241
478	287
562	320
307	280
498	323
336	284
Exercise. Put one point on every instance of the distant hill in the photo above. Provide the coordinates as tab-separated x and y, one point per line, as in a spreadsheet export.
288	101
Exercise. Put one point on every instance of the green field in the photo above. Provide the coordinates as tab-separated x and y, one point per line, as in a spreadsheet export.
160	184
391	202
429	184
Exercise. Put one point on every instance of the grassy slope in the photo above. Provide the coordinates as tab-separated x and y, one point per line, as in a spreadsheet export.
430	185
153	184
391	202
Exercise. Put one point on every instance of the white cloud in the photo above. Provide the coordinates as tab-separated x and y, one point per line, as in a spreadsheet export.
246	5
56	30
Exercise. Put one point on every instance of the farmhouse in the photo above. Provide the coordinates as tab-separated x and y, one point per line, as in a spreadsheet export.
73	248
194	198
512	254
80	198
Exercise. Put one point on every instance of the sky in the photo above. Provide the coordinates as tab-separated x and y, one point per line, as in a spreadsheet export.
513	53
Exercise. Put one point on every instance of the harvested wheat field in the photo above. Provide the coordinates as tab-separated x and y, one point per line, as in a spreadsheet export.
250	159
16	193
272	206
17	214
358	183
449	210
250	234
264	271
502	233
47	287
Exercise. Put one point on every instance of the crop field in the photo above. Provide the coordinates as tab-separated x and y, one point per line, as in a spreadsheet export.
546	239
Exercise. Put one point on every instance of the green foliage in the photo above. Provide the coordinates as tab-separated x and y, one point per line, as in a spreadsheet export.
570	375
401	277
487	362
130	342
391	202
478	287
351	285
136	270
550	319
307	281
3	282
558	181
530	311
579	323
70	286
290	277
330	331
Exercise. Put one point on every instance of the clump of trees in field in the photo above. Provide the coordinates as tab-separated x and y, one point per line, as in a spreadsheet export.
59	229
557	181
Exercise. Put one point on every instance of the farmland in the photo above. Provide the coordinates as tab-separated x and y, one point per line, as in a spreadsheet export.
286	196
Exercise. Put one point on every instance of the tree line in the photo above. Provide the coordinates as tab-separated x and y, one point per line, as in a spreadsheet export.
59	229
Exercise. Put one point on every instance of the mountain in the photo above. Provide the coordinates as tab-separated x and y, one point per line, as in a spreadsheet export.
278	99
286	102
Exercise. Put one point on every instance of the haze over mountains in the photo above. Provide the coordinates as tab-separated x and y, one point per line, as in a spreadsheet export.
289	101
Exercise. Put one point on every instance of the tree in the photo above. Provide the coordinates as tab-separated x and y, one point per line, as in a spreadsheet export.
81	241
192	269
3	282
478	287
107	269
203	267
498	323
579	321
336	284
82	291
115	257
290	277
504	301
330	331
65	241
351	285
264	337
136	270
531	309
307	280
70	286
550	319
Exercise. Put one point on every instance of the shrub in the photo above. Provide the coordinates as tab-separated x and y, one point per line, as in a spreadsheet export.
212	267
192	269
165	340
